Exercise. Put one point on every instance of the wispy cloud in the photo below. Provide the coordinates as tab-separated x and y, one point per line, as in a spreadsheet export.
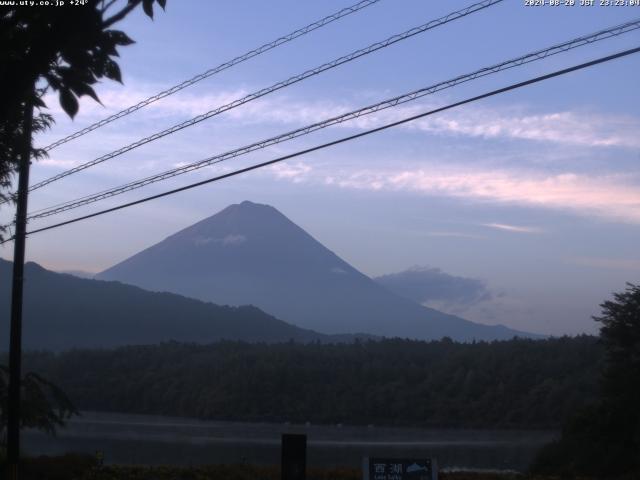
607	263
512	228
454	235
115	99
296	172
614	197
589	129
584	128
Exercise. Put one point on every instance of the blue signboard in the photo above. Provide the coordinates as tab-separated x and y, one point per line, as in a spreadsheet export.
399	469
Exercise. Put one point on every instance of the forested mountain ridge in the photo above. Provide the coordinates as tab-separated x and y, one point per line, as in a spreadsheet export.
62	311
517	383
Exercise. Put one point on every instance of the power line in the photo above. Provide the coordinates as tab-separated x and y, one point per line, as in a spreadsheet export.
404	98
215	70
277	86
344	139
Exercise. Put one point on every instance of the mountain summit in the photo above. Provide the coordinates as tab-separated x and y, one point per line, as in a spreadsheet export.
250	253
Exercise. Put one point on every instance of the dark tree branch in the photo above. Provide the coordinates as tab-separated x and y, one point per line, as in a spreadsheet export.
121	14
107	6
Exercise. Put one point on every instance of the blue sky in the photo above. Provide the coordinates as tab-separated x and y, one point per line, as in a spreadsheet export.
535	192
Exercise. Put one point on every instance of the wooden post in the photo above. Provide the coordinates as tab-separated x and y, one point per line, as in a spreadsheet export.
294	457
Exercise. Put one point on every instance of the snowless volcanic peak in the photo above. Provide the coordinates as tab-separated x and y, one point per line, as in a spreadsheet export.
251	253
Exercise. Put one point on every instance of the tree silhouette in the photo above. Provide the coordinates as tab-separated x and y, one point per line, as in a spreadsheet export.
620	334
44	405
11	131
66	50
604	439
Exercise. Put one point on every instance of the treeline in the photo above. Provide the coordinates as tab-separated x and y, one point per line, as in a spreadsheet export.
517	383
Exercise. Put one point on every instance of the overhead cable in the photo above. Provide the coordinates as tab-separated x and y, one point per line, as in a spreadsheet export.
277	86
342	140
215	70
385	104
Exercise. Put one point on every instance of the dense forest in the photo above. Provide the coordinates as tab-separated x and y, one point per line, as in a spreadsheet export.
517	383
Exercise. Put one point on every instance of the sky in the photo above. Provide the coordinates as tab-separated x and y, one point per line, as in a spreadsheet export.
532	197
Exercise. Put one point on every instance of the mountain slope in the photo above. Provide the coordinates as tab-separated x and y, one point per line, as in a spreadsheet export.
63	311
252	254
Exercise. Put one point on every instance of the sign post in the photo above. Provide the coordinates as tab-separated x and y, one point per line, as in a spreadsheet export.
399	469
294	457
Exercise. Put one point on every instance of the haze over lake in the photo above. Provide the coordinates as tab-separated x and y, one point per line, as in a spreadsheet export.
153	440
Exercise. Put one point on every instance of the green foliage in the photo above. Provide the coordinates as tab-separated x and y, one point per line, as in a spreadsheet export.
65	467
620	335
82	467
71	49
44	405
11	133
518	383
65	49
604	438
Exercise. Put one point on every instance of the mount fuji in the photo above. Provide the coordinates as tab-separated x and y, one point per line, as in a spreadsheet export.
251	254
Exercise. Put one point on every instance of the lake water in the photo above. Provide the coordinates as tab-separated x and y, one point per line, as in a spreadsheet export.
153	440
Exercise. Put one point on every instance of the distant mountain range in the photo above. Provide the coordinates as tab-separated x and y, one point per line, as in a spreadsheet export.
62	311
252	254
78	273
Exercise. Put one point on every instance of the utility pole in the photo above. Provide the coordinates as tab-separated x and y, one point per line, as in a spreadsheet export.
15	345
